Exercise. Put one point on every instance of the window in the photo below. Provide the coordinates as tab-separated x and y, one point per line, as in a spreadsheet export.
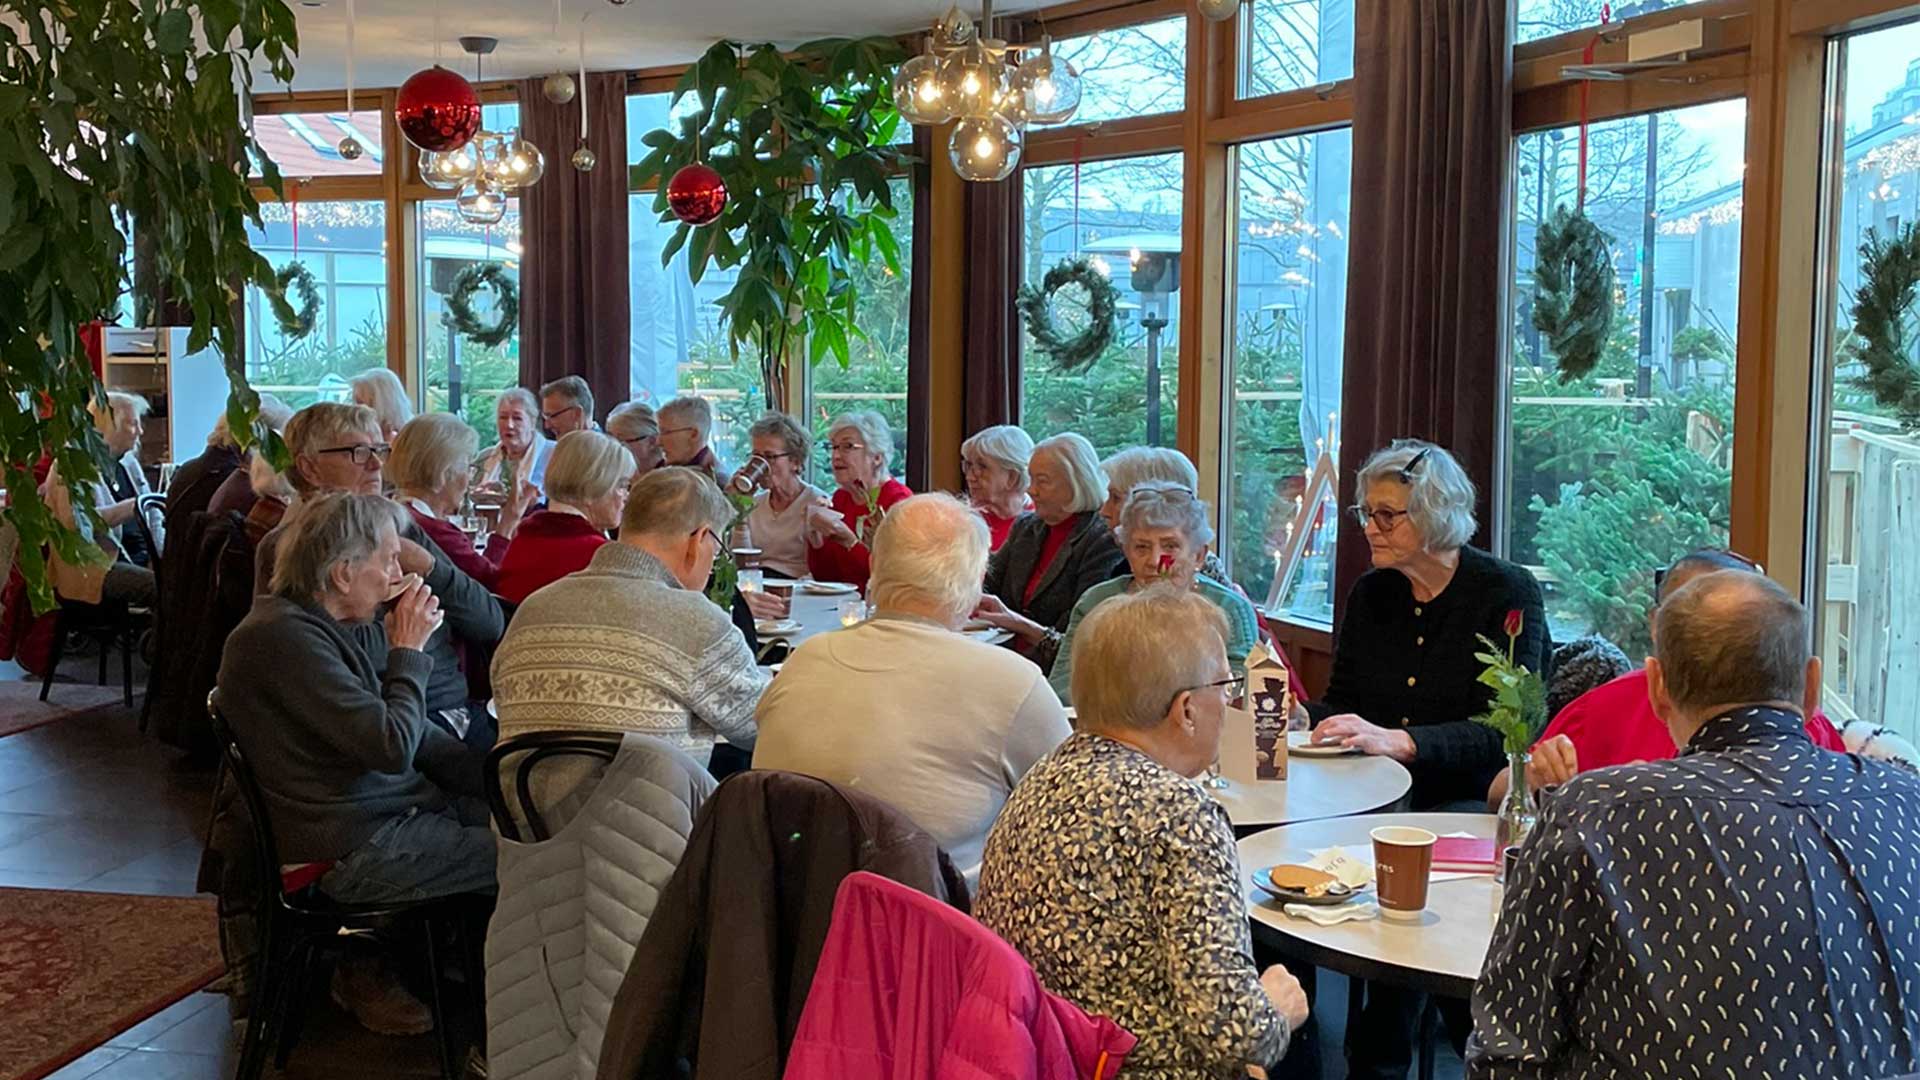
308	144
462	376
1124	216
1869	579
1289	312
875	377
1617	473
1292	44
1544	18
1129	70
343	245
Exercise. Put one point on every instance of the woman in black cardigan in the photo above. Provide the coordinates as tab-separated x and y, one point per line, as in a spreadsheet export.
1054	552
1405	681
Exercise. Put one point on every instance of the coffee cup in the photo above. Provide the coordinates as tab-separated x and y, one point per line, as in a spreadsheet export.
747	557
1402	867
781	589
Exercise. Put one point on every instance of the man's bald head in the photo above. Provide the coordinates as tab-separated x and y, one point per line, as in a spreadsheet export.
1697	564
929	555
1731	637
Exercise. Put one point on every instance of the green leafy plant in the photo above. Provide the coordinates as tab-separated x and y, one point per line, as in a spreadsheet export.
1697	343
112	114
805	145
1519	711
1573	284
1070	352
506	304
1882	341
725	581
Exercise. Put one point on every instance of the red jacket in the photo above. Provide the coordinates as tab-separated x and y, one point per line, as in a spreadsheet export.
833	562
483	568
911	989
1615	724
549	545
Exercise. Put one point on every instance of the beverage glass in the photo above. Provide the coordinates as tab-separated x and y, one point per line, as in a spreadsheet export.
753	580
852	611
1402	868
781	589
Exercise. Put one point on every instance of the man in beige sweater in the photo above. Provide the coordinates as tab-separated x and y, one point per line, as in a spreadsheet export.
903	706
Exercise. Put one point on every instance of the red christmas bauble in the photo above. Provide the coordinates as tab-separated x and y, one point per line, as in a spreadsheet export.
696	194
437	109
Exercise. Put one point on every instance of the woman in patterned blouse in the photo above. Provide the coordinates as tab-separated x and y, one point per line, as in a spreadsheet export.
1116	876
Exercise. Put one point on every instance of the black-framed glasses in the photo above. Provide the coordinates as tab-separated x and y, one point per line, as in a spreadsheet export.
714	536
1235	684
1660	575
1385	518
638	439
556	414
776	457
362	453
676	430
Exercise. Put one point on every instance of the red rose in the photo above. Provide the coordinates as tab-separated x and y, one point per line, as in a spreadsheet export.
1514	622
1166	566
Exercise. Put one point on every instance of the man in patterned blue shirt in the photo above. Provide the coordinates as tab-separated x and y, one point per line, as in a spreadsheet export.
1747	908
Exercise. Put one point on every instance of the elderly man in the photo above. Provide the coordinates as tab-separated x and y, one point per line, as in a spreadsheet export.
1745	908
686	435
566	406
904	707
115	497
631	643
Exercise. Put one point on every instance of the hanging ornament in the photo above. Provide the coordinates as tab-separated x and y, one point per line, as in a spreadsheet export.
918	92
985	148
1049	88
1218	10
697	194
584	158
953	30
558	88
437	109
480	203
349	147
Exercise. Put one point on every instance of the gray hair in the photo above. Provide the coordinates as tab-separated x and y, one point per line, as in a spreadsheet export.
674	502
693	410
521	396
106	413
272	412
268	482
430	451
586	465
930	550
778	425
323	531
1439	495
1731	637
321	425
389	398
1137	651
632	420
1085	477
1136	465
1161	504
574	389
873	431
1004	445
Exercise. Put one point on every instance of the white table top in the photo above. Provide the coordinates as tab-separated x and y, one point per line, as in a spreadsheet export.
818	614
1316	787
1442	953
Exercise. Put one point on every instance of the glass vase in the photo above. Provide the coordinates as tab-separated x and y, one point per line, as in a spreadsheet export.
1517	817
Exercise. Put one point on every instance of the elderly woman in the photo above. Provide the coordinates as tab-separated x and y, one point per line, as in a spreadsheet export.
993	461
236	493
520	457
379	389
124	569
1116	876
1164	534
430	469
586	491
1054	553
839	529
634	424
778	521
1136	465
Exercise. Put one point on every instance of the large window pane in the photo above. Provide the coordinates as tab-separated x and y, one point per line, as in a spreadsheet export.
1617	473
308	144
1124	216
876	374
1289	310
1290	44
1870	616
343	244
461	375
1545	18
1129	70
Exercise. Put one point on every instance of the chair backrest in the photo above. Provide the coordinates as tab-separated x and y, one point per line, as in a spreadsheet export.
266	851
533	748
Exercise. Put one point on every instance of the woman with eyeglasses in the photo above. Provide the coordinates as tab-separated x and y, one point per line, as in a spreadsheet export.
839	529
778	468
993	462
638	429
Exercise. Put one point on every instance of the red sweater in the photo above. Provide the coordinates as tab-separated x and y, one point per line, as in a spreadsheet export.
832	561
548	546
1615	724
453	540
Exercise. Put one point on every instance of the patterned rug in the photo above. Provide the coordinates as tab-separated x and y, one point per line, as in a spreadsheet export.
77	968
22	710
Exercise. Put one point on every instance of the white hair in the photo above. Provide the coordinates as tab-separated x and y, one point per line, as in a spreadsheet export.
930	551
272	412
521	396
385	396
322	424
1138	651
1163	504
1136	465
872	429
1085	477
674	501
587	465
1004	445
321	532
632	420
1439	494
696	411
430	452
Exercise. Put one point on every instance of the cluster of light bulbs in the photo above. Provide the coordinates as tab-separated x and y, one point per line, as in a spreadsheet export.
486	172
983	84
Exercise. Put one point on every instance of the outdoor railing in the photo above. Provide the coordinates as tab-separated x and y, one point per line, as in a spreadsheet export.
1871	630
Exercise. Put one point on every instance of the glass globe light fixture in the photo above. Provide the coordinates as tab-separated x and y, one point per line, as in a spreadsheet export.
481	203
985	148
918	93
517	163
442	171
973	79
1049	86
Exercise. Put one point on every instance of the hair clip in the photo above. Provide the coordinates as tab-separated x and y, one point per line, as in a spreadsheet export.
1406	471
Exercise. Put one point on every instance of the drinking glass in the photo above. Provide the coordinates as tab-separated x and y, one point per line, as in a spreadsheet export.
752	581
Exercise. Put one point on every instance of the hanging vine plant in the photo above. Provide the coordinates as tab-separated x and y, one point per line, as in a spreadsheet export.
296	323
1573	284
506	304
1883	338
1070	352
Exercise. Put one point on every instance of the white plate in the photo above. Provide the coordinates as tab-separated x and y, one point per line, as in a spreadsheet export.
778	628
988	635
828	588
1298	746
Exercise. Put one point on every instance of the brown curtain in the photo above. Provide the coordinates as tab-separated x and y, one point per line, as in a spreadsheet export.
573	280
994	222
1424	316
919	316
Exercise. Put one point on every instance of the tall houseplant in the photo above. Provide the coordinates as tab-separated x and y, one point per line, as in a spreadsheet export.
115	116
804	142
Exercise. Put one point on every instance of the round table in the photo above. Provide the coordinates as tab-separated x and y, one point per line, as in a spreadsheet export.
1441	954
819	614
1316	787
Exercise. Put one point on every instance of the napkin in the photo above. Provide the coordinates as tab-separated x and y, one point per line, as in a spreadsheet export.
1355	868
1352	911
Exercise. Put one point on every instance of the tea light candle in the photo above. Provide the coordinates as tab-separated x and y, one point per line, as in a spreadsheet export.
852	612
752	581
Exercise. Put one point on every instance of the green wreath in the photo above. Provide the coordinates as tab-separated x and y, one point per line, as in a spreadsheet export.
506	304
1573	283
1883	333
295	323
1070	353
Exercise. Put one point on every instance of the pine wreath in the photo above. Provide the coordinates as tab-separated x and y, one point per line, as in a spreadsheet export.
506	304
1883	330
296	323
1573	283
1075	352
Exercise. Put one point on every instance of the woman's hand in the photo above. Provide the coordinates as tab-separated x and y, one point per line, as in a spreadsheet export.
415	616
995	613
1355	733
824	522
514	504
1554	762
765	605
1284	991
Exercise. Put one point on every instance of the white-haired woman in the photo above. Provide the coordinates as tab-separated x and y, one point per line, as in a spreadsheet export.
638	429
839	529
1116	876
1136	465
430	469
519	459
379	389
1055	552
236	492
586	491
1164	534
779	518
993	462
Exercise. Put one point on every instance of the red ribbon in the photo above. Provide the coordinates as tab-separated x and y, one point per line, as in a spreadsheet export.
1077	140
1586	82
293	204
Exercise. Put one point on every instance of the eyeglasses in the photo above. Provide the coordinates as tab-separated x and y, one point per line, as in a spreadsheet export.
1385	519
362	453
1235	684
1660	575
638	439
775	457
709	534
676	430
846	448
558	413
973	466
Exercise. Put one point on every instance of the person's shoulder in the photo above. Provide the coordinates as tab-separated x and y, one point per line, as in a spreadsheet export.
1492	568
894	491
1103	592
